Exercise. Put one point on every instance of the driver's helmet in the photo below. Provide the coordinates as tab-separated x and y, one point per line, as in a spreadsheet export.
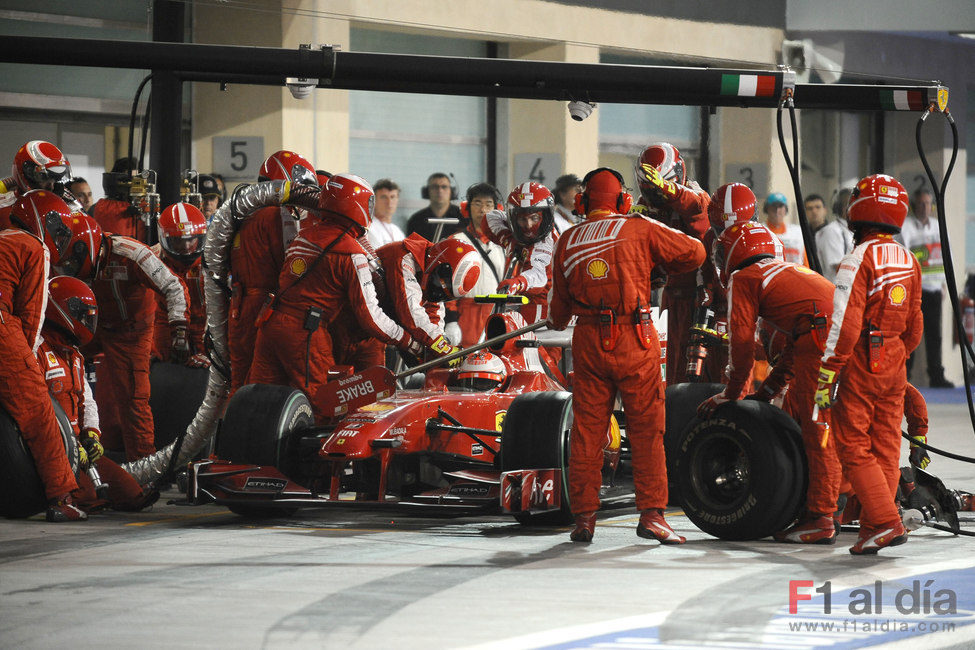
480	372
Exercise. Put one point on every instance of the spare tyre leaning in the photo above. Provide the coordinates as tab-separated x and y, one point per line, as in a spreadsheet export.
739	474
20	485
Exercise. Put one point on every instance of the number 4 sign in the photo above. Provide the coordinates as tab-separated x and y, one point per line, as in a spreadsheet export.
238	158
542	168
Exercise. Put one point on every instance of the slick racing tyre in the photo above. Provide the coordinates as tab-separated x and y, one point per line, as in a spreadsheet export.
176	392
682	401
535	435
262	426
23	493
741	473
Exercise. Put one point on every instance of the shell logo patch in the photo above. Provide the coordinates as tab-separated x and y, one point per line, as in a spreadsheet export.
897	294
52	361
597	269
298	267
805	271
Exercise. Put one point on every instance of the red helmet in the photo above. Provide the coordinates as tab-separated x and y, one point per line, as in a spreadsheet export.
80	259
878	200
41	165
48	218
450	271
481	371
732	203
182	229
531	212
351	197
288	166
742	244
71	309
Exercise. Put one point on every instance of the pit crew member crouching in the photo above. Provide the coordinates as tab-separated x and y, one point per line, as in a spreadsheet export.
601	273
70	322
876	324
797	302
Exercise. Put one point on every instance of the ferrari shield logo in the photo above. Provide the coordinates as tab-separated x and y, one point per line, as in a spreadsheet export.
499	420
897	294
942	99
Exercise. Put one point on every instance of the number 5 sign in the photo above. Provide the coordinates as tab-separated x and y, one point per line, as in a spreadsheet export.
238	158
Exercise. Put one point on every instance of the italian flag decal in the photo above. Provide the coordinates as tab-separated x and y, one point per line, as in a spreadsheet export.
902	100
748	85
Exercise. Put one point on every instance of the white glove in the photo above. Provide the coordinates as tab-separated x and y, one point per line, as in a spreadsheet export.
452	332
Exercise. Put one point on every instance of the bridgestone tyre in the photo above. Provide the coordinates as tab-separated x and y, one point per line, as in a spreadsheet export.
682	401
176	393
739	472
262	426
535	435
20	485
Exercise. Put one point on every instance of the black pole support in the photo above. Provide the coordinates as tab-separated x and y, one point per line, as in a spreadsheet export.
168	20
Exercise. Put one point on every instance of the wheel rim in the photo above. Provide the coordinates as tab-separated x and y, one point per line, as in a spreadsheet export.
720	472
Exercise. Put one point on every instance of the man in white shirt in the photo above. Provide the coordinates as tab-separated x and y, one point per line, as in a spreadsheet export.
835	240
465	321
776	209
922	237
565	190
383	231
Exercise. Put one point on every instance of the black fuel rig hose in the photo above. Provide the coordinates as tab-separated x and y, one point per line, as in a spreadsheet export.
939	190
809	242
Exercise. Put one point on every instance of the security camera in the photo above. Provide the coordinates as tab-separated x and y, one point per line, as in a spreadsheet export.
300	87
580	110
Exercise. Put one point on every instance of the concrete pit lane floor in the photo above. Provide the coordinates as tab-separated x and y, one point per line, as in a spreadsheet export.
202	577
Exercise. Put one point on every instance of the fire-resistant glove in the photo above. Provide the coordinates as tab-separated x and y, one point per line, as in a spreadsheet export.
442	347
198	361
91	443
302	196
452	332
513	286
83	461
826	388
707	408
768	389
919	455
651	175
180	342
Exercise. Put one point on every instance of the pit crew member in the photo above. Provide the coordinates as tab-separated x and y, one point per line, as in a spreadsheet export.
69	323
182	229
667	196
256	259
127	277
325	270
798	303
862	379
601	273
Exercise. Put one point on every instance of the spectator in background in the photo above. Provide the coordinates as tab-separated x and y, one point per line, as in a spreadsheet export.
439	191
220	184
81	190
212	196
383	231
835	240
566	188
922	237
816	213
776	209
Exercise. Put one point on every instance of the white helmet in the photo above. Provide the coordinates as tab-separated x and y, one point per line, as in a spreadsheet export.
481	372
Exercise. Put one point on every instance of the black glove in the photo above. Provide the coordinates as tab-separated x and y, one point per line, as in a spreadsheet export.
303	196
180	342
91	443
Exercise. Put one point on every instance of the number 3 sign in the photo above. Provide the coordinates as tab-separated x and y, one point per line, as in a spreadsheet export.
238	158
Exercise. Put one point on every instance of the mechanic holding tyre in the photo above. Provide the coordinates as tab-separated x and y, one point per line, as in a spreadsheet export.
877	322
601	273
795	303
42	235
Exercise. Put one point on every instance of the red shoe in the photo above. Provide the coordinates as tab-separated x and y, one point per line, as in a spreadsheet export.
585	527
872	540
653	526
62	509
810	529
